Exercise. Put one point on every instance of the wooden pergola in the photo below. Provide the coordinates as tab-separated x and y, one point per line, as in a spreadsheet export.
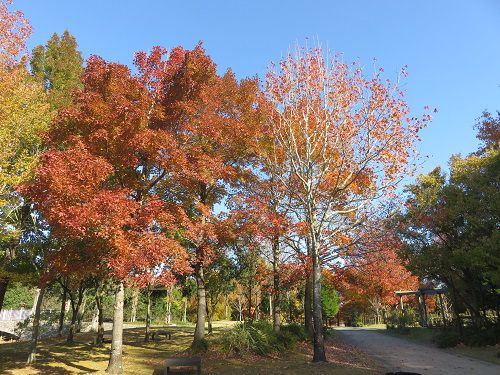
420	294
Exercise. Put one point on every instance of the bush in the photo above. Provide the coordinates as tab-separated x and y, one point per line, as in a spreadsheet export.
260	338
446	339
401	320
481	337
353	319
298	330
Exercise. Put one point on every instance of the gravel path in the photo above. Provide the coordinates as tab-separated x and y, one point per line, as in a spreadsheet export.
402	355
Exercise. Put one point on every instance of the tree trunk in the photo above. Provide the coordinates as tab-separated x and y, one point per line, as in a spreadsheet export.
148	315
318	342
240	308
249	307
184	315
270	296
168	315
257	304
72	326
308	317
79	315
115	365
36	326
199	332
75	309
100	318
209	319
135	300
276	312
3	288
226	312
61	314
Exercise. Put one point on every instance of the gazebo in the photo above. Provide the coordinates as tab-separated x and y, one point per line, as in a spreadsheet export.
421	293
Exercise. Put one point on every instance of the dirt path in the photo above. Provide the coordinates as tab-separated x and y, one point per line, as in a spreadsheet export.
402	355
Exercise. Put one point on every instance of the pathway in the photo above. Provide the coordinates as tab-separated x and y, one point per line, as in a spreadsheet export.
403	355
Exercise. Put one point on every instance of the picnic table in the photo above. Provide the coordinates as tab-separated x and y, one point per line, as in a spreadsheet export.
8	336
161	332
193	362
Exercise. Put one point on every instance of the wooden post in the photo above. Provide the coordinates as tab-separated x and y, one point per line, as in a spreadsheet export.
420	310
425	311
401	303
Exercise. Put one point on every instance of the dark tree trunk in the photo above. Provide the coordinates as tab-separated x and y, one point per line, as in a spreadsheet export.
61	314
257	316
36	327
3	288
100	318
79	315
319	344
276	310
75	309
72	326
308	317
199	332
184	313
148	315
115	365
318	338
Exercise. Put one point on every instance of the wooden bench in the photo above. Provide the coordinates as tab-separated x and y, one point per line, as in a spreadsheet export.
193	362
161	332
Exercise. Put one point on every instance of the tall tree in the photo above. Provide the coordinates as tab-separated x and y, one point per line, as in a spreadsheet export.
96	183
347	140
24	115
450	228
213	120
58	66
488	128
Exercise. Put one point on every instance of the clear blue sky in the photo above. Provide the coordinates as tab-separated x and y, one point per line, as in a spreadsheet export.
451	47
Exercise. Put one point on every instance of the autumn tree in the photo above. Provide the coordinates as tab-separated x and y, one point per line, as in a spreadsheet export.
24	115
96	183
213	121
374	271
262	216
347	141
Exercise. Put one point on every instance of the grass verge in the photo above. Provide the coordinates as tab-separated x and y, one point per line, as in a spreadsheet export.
57	357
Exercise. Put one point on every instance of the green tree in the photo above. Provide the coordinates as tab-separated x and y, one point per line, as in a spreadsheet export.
451	231
330	301
58	66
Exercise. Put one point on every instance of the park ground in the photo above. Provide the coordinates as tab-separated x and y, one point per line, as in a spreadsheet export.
351	351
57	357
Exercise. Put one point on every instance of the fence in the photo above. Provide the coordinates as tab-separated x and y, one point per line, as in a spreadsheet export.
14	314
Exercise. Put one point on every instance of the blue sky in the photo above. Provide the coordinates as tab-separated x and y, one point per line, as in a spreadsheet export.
451	47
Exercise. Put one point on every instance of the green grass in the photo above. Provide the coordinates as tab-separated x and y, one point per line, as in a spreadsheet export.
57	357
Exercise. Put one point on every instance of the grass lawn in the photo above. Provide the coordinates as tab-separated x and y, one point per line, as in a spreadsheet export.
57	357
425	336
